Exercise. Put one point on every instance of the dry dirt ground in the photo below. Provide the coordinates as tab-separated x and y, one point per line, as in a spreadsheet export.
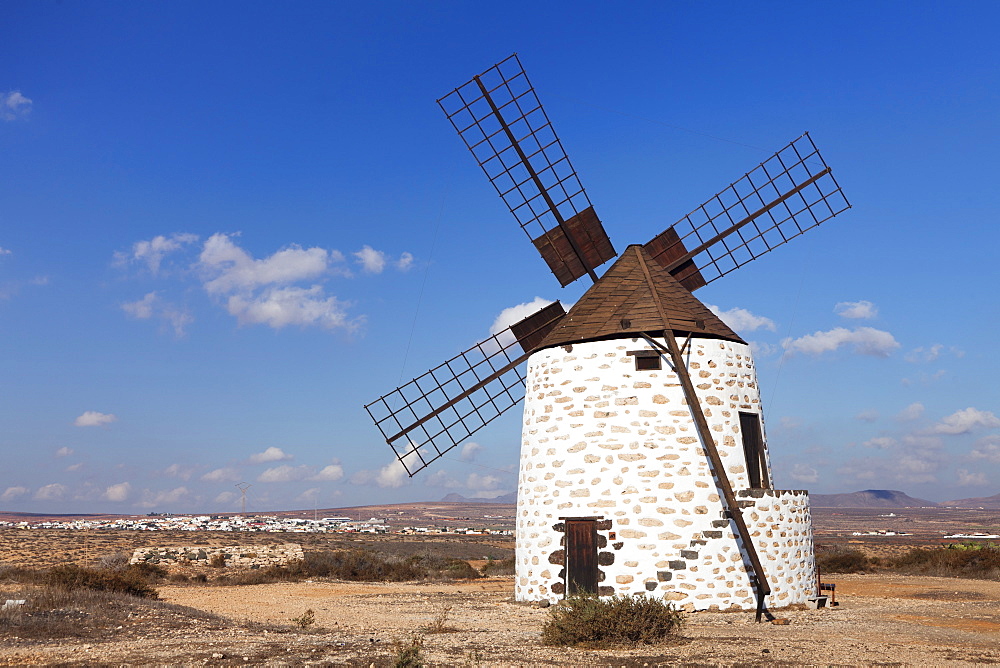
882	620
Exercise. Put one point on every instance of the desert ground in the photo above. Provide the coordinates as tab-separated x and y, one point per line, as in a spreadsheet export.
882	619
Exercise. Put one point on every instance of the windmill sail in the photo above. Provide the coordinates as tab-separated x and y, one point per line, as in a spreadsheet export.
787	194
439	410
499	117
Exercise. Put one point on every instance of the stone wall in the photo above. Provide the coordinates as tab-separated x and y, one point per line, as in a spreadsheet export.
233	556
603	440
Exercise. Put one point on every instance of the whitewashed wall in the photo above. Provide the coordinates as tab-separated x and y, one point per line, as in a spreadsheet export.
603	440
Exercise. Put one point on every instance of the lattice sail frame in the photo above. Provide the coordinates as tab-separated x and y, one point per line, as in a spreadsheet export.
788	194
441	409
501	120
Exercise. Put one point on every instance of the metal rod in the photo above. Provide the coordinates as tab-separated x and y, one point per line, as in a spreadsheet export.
753	216
537	180
680	368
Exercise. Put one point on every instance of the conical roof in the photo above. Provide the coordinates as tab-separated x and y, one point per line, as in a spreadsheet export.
622	302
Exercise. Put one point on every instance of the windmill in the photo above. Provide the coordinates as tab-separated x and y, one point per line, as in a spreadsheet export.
644	467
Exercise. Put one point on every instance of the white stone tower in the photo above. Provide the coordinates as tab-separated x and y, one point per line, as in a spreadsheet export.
616	489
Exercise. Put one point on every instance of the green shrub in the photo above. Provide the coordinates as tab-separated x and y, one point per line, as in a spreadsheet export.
70	577
409	655
843	561
587	621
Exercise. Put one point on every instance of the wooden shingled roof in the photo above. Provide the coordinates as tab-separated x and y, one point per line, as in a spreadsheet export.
622	302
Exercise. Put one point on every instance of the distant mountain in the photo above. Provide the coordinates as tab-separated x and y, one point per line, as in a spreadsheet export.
870	498
458	498
991	502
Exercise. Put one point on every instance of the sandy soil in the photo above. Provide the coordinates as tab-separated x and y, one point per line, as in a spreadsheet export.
882	620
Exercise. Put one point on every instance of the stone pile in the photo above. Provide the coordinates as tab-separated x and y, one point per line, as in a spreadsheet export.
234	556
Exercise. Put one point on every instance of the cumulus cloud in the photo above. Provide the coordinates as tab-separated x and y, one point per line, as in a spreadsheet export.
484	483
225	498
965	420
864	341
371	260
14	493
151	305
392	475
4	251
762	348
912	412
280	307
74	467
152	499
117	493
880	442
284	473
14	105
329	473
229	268
405	262
271	454
869	415
94	419
804	473
515	314
152	252
225	474
861	310
469	451
178	471
965	478
64	452
742	320
52	492
987	448
928	354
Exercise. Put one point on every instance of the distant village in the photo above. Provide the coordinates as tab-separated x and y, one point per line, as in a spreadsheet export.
250	523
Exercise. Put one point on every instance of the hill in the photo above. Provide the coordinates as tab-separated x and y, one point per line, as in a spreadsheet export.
869	498
991	502
458	498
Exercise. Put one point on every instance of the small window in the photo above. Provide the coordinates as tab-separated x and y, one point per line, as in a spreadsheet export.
647	363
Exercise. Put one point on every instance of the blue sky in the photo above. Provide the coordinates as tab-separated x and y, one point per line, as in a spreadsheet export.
227	226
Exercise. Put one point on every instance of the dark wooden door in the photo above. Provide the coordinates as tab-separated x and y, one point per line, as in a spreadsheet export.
581	557
753	449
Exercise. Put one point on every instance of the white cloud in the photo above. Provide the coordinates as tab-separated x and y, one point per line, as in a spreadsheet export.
13	105
117	493
371	260
14	493
405	262
228	268
880	442
391	475
284	473
804	473
482	482
441	478
225	498
151	499
309	496
64	452
329	473
271	454
74	467
178	471
225	474
52	492
922	354
152	252
865	341
742	320
911	412
860	310
966	420
152	306
94	419
469	451
869	415
280	307
515	314
762	349
965	478
4	251
987	448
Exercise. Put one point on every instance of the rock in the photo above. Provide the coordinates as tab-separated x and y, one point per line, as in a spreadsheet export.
781	621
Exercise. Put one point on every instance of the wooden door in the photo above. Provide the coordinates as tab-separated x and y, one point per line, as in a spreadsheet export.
753	449
581	557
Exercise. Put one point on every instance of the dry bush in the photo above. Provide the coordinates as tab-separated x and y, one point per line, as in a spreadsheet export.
409	654
440	622
843	561
360	566
587	621
495	567
975	560
131	581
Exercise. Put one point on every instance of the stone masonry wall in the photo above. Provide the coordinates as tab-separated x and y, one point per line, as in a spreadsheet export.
605	441
234	556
